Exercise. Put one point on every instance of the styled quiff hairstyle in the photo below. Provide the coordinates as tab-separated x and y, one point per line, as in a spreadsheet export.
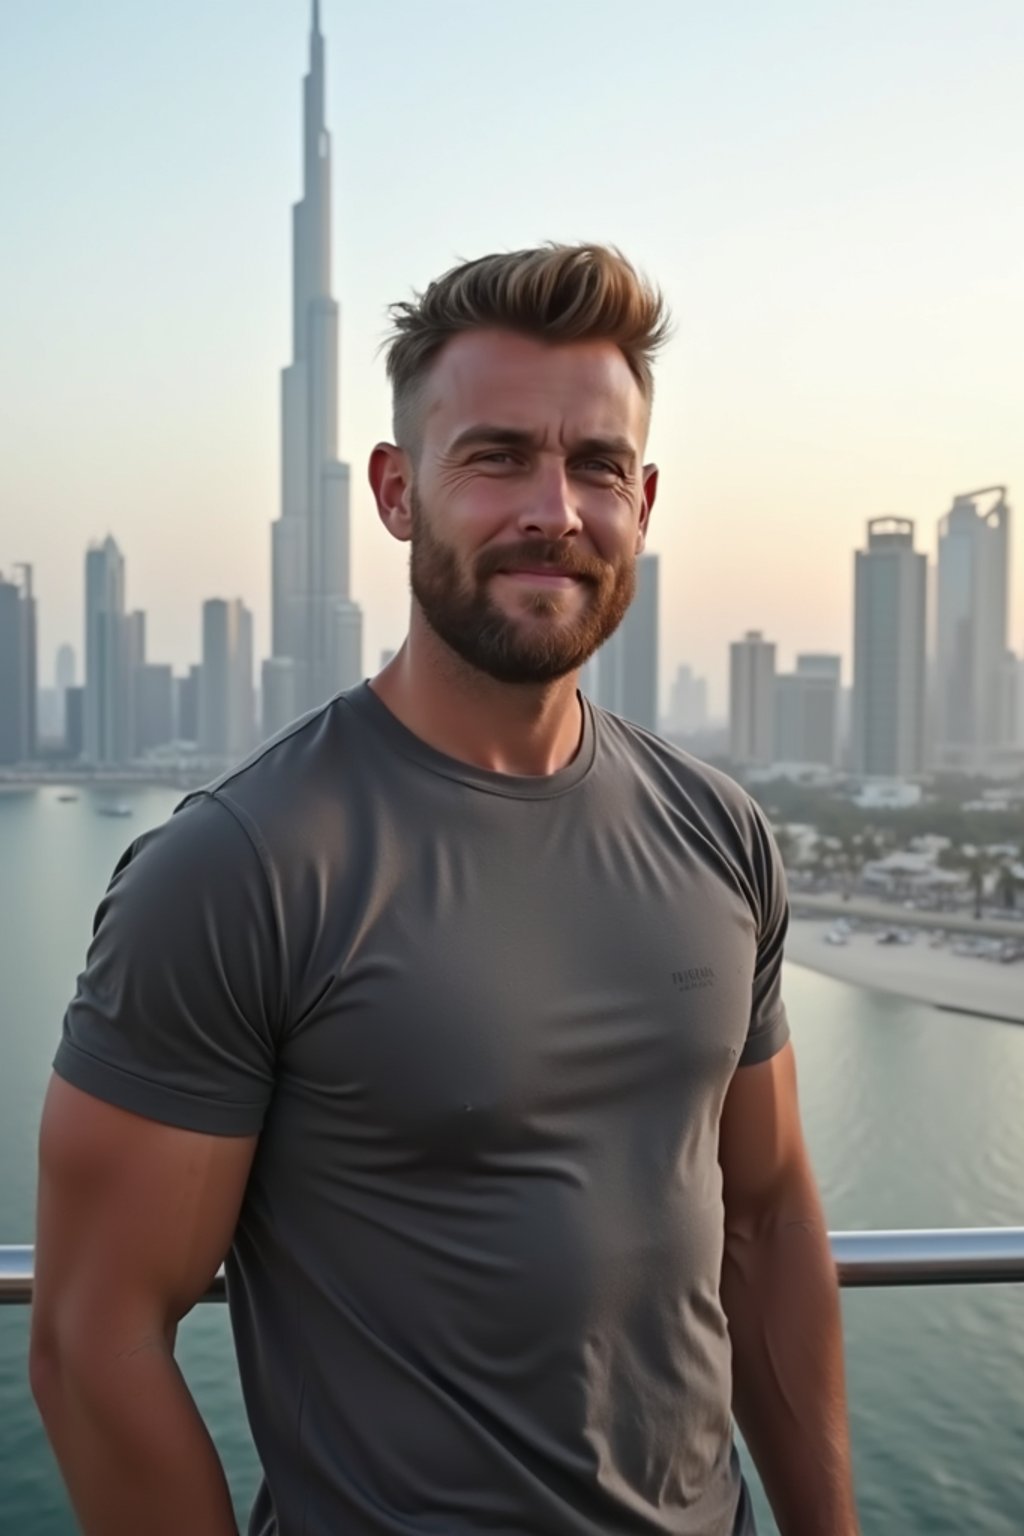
556	293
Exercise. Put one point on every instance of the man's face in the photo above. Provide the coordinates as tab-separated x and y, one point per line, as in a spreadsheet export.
529	502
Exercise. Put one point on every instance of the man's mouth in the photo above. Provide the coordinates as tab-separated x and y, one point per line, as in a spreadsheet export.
540	576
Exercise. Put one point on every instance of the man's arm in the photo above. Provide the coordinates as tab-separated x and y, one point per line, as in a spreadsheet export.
134	1218
781	1298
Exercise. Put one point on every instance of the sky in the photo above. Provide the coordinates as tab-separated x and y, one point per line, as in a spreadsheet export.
829	195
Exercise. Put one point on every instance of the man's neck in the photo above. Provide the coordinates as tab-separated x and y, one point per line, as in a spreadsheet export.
503	727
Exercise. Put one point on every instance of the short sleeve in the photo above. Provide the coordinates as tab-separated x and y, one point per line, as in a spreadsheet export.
176	1014
768	1030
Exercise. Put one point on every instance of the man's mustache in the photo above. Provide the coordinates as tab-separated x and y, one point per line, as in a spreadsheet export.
548	554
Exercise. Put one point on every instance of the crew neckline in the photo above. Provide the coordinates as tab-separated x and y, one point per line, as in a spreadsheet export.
365	703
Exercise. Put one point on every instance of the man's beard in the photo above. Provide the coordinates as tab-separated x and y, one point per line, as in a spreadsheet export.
457	604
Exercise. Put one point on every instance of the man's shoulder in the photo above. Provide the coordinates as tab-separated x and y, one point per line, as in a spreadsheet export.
278	792
720	821
719	814
669	767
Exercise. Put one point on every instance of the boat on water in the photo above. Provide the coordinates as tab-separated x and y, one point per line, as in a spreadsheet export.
67	797
120	809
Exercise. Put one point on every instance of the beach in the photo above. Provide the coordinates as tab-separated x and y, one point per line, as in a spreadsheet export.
963	983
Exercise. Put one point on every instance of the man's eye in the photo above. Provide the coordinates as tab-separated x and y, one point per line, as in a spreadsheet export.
495	456
598	467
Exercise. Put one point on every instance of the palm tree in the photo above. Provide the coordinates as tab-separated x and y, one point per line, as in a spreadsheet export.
1006	887
979	865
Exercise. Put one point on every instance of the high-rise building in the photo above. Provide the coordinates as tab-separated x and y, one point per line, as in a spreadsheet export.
108	712
890	592
316	626
154	707
65	671
971	629
627	664
752	699
588	678
279	694
135	637
1011	682
74	721
186	705
225	680
135	662
688	703
64	676
18	728
807	711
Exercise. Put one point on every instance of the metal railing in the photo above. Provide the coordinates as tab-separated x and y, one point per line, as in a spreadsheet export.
947	1256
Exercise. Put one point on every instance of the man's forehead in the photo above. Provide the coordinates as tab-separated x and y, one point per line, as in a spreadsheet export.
582	389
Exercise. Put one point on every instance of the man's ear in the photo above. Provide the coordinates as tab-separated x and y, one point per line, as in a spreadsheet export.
650	491
390	475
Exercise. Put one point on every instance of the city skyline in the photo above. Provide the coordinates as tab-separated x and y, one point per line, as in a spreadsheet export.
843	350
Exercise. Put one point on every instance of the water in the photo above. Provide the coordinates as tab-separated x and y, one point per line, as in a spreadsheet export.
913	1119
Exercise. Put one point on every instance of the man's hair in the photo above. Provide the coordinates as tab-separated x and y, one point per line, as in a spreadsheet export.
556	293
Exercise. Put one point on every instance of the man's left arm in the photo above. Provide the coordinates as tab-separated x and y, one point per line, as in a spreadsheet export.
781	1298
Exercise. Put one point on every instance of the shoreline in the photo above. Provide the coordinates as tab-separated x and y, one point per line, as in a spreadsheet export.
82	783
964	984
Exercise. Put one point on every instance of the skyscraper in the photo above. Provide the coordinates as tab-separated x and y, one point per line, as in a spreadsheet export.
64	674
627	664
17	667
971	629
153	707
108	700
135	662
688	703
225	680
890	589
186	705
807	711
752	699
74	721
316	626
65	667
1012	683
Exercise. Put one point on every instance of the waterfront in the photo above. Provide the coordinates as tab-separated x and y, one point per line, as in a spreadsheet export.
918	969
913	1117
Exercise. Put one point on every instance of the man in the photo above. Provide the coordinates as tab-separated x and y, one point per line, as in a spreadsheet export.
452	1019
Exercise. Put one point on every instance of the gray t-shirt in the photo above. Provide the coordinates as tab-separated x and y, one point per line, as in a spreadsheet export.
484	1025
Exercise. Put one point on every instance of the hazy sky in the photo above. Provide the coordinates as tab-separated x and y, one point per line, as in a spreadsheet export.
829	193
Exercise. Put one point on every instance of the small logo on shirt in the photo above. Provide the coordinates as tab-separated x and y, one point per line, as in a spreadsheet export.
694	977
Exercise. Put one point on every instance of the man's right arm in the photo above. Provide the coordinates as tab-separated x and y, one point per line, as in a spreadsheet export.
134	1218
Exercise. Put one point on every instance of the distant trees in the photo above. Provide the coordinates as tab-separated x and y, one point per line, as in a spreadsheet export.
940	814
980	865
787	843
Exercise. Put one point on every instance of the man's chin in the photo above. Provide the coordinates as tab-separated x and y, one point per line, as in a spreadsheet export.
527	672
533	605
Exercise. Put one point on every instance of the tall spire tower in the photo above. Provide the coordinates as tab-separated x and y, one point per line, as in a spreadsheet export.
317	629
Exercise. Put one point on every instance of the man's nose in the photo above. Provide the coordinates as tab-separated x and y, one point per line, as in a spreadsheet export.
551	510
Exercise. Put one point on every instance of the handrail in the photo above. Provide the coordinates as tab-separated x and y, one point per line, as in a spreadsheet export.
943	1256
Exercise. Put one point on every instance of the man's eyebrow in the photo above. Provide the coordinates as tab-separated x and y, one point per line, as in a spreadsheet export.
488	434
613	447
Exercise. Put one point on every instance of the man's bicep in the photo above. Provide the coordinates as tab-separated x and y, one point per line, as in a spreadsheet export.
134	1217
761	1146
767	1027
